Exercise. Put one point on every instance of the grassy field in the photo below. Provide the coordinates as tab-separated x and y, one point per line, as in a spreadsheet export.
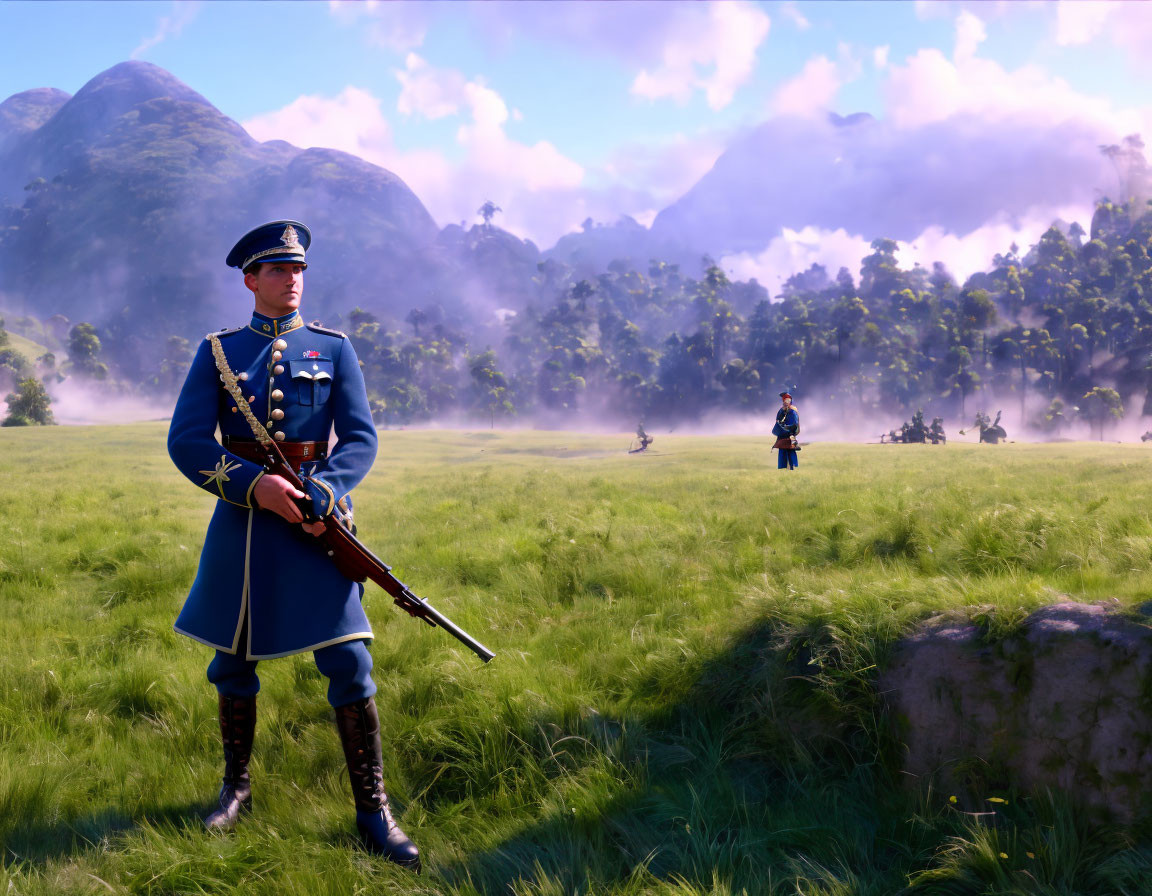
681	701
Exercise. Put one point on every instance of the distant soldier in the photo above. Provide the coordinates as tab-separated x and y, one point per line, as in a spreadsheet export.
936	431
642	440
916	430
990	431
786	429
265	587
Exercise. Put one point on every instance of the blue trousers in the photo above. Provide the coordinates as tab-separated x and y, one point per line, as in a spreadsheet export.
347	666
787	459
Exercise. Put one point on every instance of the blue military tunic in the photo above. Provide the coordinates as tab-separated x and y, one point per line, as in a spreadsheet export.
787	424
303	381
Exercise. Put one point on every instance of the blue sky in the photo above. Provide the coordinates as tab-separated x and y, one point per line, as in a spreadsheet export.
559	111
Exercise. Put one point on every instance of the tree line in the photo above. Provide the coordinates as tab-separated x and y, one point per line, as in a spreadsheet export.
1067	324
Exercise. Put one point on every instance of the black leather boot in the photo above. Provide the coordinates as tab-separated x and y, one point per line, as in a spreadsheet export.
237	728
359	727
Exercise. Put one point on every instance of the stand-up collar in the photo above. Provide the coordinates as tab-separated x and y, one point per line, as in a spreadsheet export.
275	326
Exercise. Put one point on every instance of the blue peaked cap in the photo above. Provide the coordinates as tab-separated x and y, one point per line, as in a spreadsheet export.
271	242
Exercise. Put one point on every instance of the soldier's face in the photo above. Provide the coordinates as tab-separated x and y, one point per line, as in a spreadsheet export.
277	287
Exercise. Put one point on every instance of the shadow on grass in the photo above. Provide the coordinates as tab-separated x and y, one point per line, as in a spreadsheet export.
40	842
751	774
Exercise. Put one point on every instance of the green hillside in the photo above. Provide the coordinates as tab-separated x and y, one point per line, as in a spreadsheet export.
681	700
26	347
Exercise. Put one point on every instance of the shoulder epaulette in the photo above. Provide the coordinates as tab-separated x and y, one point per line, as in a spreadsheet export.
226	331
317	327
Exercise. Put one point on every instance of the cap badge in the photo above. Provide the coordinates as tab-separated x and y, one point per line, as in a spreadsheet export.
290	238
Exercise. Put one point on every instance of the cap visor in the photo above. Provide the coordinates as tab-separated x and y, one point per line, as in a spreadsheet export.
280	259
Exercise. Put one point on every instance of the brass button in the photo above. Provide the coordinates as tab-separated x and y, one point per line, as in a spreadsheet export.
235	409
278	369
277	415
279	345
276	356
251	399
243	376
279	437
277	395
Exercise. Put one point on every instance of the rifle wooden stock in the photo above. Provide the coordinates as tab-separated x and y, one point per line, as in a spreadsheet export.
356	562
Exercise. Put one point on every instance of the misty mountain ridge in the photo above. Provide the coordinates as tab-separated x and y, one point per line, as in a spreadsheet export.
118	204
872	178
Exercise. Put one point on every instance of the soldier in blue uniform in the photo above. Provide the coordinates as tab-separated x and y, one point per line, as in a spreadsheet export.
786	429
265	588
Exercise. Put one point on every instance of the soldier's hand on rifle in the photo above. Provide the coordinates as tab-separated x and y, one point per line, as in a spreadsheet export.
275	493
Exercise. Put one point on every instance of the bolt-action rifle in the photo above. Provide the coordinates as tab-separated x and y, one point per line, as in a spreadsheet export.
354	560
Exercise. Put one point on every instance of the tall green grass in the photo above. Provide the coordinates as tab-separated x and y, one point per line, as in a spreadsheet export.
682	700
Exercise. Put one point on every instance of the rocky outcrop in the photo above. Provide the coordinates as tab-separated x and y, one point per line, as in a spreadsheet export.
1065	704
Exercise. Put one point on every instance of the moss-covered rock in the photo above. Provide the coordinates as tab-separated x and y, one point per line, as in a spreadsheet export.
1062	703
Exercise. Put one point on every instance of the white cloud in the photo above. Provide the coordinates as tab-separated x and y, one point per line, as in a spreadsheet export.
791	12
646	217
970	33
811	92
428	92
183	13
930	87
397	26
522	178
352	121
1127	26
664	171
930	9
962	254
716	55
966	254
880	57
1078	22
798	250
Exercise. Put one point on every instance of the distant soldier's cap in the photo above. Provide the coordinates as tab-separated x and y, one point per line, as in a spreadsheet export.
785	394
272	242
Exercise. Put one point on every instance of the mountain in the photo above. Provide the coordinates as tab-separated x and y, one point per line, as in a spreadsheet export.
27	111
118	205
876	179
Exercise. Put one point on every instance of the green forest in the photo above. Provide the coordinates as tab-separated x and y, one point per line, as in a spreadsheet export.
1069	319
1061	328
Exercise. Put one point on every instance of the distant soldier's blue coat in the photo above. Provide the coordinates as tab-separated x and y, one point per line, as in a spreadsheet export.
256	565
787	424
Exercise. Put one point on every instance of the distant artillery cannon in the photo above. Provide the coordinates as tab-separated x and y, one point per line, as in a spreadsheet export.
915	431
1147	437
641	442
990	430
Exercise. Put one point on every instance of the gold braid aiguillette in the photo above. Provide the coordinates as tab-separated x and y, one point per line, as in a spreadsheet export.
229	380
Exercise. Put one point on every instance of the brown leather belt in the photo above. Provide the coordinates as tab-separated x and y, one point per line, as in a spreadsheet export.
296	453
